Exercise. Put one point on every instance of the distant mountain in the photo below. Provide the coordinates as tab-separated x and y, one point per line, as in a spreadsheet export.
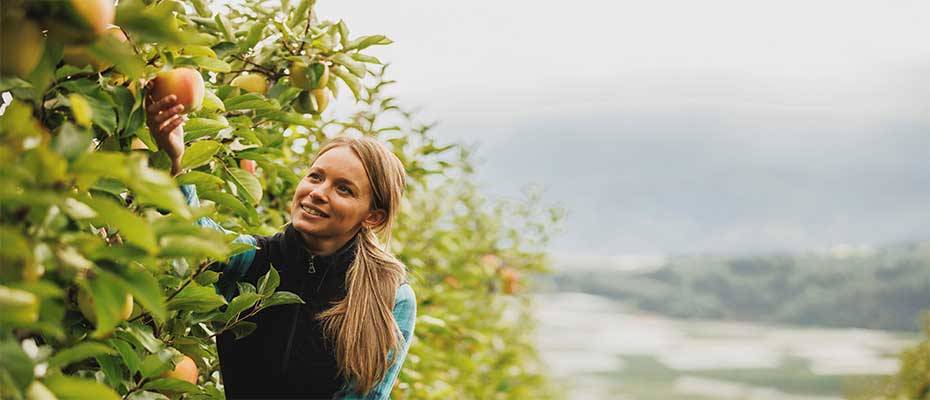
883	288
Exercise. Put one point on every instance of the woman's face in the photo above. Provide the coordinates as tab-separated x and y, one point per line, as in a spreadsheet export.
333	200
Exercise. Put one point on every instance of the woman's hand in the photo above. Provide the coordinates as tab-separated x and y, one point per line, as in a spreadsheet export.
166	125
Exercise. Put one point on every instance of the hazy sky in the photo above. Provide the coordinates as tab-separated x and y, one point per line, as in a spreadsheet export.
680	126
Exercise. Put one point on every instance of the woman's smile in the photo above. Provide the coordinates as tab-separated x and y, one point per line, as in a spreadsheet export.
312	212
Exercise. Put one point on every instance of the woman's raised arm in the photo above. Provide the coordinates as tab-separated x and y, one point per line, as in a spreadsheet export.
166	124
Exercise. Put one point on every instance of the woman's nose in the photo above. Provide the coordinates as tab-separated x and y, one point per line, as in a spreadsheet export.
319	193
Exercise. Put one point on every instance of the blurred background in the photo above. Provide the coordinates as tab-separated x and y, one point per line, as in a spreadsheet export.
746	183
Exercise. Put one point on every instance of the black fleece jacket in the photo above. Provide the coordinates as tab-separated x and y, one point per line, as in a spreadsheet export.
287	355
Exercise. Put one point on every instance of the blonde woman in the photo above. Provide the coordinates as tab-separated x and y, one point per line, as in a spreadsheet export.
350	338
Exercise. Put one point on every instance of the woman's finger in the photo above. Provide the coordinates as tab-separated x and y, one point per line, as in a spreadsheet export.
171	125
162	104
168	114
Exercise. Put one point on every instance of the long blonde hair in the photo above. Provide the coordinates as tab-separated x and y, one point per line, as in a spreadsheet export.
362	324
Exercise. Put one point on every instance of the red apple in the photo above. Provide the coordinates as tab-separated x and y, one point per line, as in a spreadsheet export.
185	83
248	165
186	370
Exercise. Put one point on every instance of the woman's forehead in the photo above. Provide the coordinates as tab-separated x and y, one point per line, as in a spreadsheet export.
342	162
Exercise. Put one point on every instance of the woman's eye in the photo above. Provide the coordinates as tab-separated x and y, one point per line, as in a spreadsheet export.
345	189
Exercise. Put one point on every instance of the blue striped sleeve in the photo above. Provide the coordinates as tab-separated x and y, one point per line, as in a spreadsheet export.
236	267
405	313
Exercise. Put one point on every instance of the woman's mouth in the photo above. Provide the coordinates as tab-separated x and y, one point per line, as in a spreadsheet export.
312	211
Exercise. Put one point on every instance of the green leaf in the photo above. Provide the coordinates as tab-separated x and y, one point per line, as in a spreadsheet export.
355	67
81	351
210	103
254	35
132	228
243	329
80	109
343	34
150	24
171	385
129	355
240	303
71	141
250	189
201	179
204	62
110	50
196	298
250	101
279	298
145	290
363	42
350	80
103	113
142	336
200	153
16	364
192	246
199	127
223	24
71	388
155	187
109	297
232	203
157	363
17	306
268	283
288	117
365	58
207	278
245	287
146	395
114	371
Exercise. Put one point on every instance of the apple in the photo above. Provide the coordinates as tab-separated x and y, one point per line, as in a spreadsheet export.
138	144
79	57
248	165
185	370
511	279
252	83
312	101
322	99
79	21
86	305
185	83
21	46
98	14
299	75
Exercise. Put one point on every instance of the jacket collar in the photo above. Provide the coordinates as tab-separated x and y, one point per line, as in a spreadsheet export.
298	254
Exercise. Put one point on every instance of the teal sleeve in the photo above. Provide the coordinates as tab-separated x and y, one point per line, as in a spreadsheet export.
235	268
405	313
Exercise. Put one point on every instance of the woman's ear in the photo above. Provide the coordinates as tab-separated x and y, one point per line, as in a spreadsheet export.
374	219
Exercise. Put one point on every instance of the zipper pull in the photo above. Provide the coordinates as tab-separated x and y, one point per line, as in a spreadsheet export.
310	268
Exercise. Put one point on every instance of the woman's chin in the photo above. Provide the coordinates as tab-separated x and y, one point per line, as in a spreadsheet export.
302	226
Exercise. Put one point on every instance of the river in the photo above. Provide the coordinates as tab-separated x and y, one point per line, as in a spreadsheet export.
601	349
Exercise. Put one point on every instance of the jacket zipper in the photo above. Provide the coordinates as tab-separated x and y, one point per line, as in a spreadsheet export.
290	337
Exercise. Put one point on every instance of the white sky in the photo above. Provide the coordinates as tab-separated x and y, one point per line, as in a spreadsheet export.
680	126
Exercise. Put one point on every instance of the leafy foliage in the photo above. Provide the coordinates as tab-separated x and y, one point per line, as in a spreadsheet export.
87	206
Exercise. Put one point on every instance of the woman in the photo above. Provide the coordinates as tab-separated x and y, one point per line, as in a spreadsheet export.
352	335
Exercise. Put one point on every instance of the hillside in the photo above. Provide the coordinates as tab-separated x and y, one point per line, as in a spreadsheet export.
884	289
